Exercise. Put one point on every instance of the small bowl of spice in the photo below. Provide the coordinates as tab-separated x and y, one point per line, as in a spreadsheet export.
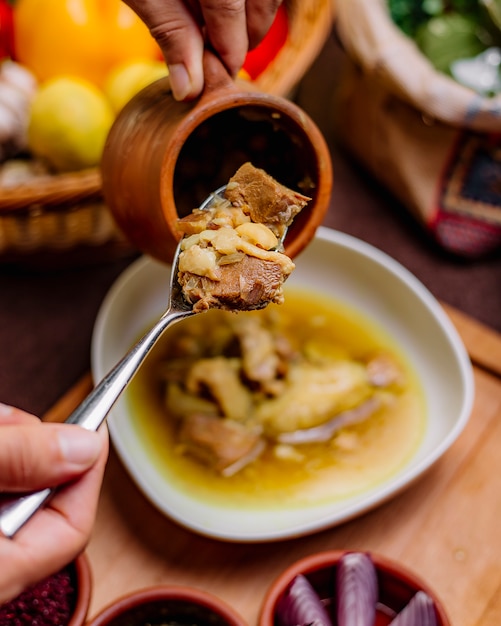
168	605
337	588
61	599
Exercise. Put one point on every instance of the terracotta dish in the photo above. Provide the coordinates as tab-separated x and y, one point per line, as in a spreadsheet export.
165	605
62	598
83	582
397	585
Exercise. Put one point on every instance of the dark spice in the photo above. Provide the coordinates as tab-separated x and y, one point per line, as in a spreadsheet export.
48	603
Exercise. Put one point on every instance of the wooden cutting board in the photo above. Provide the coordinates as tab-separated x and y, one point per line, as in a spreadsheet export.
445	527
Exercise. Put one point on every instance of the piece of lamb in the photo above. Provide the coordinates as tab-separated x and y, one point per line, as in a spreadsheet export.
260	361
269	202
249	284
224	445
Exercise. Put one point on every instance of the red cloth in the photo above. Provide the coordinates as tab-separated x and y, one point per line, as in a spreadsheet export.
257	60
6	31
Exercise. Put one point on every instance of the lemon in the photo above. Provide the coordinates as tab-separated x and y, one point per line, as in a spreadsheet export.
124	81
69	122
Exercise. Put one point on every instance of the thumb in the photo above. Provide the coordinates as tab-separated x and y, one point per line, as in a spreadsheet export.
34	456
178	33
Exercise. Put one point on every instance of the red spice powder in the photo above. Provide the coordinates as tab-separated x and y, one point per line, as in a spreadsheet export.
48	603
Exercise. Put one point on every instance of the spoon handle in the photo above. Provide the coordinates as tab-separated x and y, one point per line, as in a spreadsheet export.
90	414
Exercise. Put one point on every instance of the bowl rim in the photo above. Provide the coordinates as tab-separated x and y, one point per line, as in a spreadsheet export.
83	590
329	558
155	593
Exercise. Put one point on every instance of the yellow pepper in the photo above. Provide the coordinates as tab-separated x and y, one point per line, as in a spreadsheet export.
85	38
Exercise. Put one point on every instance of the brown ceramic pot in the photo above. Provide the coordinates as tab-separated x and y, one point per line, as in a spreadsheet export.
50	599
80	570
163	157
397	585
168	604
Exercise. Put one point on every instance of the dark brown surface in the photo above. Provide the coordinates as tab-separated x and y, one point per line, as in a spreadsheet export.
46	318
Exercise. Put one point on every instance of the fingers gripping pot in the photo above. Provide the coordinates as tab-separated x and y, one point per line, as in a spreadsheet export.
163	157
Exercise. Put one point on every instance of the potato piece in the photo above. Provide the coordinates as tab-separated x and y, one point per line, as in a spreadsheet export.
314	394
200	261
221	377
182	404
225	240
258	234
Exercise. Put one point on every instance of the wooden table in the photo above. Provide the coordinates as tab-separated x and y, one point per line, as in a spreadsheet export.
444	527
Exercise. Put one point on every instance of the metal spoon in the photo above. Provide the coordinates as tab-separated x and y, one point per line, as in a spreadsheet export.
91	413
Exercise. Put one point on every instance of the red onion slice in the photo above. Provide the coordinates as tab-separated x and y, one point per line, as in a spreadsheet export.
419	612
356	590
301	606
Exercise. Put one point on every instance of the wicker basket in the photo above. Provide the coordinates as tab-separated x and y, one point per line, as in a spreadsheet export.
54	216
58	217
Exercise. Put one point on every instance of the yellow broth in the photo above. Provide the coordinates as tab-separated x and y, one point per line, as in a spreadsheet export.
384	442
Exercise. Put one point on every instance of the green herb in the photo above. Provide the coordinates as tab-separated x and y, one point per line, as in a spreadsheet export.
449	37
455	36
410	15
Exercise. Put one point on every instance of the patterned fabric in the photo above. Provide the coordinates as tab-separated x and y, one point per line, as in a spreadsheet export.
468	216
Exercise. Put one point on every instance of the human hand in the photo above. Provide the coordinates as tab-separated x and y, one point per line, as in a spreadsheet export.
35	455
182	28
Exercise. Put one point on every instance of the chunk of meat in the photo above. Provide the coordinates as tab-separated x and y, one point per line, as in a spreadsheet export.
246	285
194	223
260	360
224	445
268	201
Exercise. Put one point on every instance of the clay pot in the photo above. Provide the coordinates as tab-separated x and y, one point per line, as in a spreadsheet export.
169	604
65	593
81	571
163	157
397	585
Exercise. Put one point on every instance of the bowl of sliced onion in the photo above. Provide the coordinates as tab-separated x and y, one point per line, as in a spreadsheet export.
342	588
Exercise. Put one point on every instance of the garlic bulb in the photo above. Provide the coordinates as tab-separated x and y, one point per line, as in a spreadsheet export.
17	88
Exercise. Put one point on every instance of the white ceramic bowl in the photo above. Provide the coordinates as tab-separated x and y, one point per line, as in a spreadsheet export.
352	272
